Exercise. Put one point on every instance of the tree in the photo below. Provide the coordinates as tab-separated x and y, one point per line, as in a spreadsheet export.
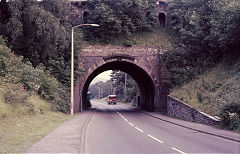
35	32
100	89
226	27
39	31
118	79
118	17
208	28
209	31
4	15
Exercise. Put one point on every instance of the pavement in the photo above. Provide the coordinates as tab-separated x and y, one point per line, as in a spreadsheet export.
66	138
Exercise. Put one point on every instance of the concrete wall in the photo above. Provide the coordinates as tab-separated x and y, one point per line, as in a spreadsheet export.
179	109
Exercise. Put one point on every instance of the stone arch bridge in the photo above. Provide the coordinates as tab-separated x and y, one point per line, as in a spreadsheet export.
142	63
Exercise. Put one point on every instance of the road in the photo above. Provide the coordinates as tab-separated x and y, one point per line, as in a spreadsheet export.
122	129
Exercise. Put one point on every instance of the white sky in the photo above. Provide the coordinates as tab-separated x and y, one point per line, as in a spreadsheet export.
104	76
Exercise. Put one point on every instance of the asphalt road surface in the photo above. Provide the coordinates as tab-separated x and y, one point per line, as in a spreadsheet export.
122	129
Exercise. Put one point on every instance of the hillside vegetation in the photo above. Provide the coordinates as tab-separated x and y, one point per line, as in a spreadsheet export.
212	90
158	36
29	100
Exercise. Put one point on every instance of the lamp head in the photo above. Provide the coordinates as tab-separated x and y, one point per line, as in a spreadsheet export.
95	25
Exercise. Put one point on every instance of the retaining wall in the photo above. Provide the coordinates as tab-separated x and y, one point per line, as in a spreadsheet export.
179	109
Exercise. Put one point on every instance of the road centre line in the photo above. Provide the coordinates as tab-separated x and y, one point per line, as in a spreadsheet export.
178	151
149	134
130	123
154	138
139	129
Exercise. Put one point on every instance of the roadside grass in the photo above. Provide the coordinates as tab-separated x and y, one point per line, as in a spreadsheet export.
24	123
212	90
19	133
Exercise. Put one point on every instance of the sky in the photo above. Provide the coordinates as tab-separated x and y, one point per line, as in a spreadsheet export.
104	76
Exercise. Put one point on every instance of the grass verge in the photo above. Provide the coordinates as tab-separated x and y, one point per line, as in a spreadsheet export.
19	133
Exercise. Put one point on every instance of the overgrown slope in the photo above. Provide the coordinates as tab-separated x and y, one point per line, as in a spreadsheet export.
161	37
212	90
29	100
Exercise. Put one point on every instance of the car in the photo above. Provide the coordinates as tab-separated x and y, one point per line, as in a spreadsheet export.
112	99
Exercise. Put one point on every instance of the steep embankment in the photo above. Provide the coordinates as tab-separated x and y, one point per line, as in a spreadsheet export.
210	91
161	37
25	117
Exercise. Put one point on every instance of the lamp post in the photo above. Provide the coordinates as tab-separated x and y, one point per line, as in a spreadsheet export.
72	64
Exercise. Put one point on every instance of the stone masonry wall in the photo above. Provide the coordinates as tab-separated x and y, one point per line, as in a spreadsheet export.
145	57
179	109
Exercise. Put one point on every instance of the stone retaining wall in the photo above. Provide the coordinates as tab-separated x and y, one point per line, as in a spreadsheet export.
179	109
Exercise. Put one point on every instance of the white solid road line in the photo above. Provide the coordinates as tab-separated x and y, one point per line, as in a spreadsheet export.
126	120
178	150
139	129
155	138
130	123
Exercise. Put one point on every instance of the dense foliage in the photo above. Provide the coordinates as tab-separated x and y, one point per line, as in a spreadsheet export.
23	80
40	32
118	17
209	33
230	114
209	28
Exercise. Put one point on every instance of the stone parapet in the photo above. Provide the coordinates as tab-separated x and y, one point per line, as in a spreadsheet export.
179	109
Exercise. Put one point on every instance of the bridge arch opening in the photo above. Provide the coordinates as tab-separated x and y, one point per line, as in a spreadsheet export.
141	77
114	82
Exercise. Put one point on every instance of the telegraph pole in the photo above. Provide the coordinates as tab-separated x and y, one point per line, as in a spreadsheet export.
99	91
125	86
111	87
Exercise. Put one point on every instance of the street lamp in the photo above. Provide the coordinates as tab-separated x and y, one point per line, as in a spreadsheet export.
72	64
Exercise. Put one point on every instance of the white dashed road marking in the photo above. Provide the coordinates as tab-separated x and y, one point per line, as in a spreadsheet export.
139	129
155	138
130	123
178	151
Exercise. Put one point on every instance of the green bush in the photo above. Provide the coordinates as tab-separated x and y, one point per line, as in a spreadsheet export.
230	115
31	77
48	87
15	94
62	101
25	79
